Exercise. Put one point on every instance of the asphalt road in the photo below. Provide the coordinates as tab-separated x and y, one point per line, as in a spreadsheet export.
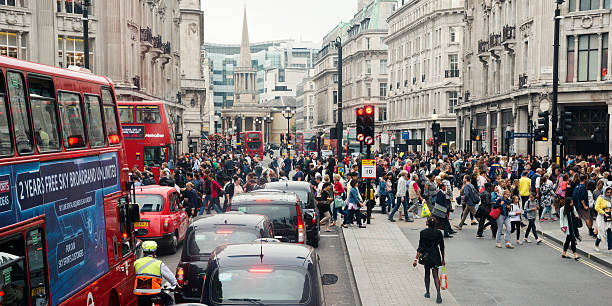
481	274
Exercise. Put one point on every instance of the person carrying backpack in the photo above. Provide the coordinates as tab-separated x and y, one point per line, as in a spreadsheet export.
471	198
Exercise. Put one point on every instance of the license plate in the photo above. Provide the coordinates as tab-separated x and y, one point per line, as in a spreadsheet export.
141	224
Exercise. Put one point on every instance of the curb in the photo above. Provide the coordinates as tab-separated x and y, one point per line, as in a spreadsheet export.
594	257
349	267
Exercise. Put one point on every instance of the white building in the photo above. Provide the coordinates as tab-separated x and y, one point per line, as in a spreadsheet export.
364	56
425	48
508	67
305	104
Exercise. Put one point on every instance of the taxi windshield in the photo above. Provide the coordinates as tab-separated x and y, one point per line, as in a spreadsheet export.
205	241
266	284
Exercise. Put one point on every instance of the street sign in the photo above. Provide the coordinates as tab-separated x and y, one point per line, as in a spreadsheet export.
522	135
369	140
368	168
179	137
341	171
413	142
406	135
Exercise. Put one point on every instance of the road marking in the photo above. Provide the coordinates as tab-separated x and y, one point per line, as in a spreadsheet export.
329	235
592	266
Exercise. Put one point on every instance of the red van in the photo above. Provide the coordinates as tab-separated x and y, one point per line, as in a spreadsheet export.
162	215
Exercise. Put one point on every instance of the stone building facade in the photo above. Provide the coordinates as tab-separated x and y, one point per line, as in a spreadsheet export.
133	42
425	58
508	68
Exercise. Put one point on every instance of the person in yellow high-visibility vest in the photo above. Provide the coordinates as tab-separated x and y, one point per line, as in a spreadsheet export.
149	274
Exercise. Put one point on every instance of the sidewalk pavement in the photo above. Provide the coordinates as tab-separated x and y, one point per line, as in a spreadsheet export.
586	248
381	258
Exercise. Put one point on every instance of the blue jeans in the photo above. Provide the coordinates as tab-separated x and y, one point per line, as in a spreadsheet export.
353	213
400	201
336	210
204	206
390	201
216	205
547	209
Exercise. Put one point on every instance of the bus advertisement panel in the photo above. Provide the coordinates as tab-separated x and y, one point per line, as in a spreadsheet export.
69	193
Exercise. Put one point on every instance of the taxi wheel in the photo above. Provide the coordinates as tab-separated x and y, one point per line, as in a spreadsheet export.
173	244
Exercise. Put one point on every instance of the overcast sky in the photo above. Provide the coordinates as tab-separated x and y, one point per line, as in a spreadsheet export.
306	20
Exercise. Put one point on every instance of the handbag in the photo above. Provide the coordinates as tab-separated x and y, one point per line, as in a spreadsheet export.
495	212
607	215
443	278
439	211
338	202
425	212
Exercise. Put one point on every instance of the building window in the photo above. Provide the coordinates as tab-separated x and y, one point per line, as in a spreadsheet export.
586	5
453	100
368	43
281	75
70	6
587	57
71	51
453	65
604	55
8	44
383	66
21	3
335	78
368	66
571	54
335	93
368	90
453	34
335	61
383	89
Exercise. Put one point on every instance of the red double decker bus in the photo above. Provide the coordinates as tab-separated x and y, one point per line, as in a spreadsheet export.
146	134
306	143
65	234
251	143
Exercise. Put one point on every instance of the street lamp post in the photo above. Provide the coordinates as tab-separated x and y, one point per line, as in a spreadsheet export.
339	125
85	20
555	89
288	114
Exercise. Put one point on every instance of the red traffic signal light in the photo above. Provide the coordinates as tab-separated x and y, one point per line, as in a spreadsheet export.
360	111
369	110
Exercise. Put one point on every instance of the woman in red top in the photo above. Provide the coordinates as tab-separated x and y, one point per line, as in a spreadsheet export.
215	193
338	191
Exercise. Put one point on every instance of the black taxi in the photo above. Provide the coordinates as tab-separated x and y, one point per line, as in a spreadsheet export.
203	236
265	274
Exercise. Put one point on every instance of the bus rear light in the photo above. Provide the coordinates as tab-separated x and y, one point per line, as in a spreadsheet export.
180	276
113	139
124	235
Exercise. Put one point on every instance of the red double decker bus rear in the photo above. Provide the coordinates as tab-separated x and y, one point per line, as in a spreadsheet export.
146	134
252	143
65	235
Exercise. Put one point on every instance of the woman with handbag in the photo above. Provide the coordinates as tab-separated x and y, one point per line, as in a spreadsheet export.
603	222
501	213
338	201
440	211
325	199
354	206
567	222
430	254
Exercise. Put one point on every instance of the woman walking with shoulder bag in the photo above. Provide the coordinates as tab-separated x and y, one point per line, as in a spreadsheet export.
430	254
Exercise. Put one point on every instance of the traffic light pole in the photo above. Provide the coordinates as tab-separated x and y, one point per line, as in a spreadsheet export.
339	125
555	86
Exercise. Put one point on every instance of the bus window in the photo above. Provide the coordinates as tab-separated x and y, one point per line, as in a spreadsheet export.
147	114
153	156
93	115
6	141
72	121
126	113
110	116
44	114
19	110
13	280
36	265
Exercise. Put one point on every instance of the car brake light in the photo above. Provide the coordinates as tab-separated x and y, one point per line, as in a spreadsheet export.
225	232
260	270
166	224
300	225
180	273
263	200
314	217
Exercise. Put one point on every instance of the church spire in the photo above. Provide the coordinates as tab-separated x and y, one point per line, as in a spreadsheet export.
245	47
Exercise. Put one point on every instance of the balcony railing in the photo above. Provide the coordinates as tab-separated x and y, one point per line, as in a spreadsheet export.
494	40
508	33
522	80
483	46
453	73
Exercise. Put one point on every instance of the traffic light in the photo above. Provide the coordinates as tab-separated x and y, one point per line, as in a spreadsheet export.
360	123
541	133
437	136
368	124
282	137
474	135
289	137
565	125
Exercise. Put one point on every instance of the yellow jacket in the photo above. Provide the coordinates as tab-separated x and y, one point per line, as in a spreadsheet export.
600	205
